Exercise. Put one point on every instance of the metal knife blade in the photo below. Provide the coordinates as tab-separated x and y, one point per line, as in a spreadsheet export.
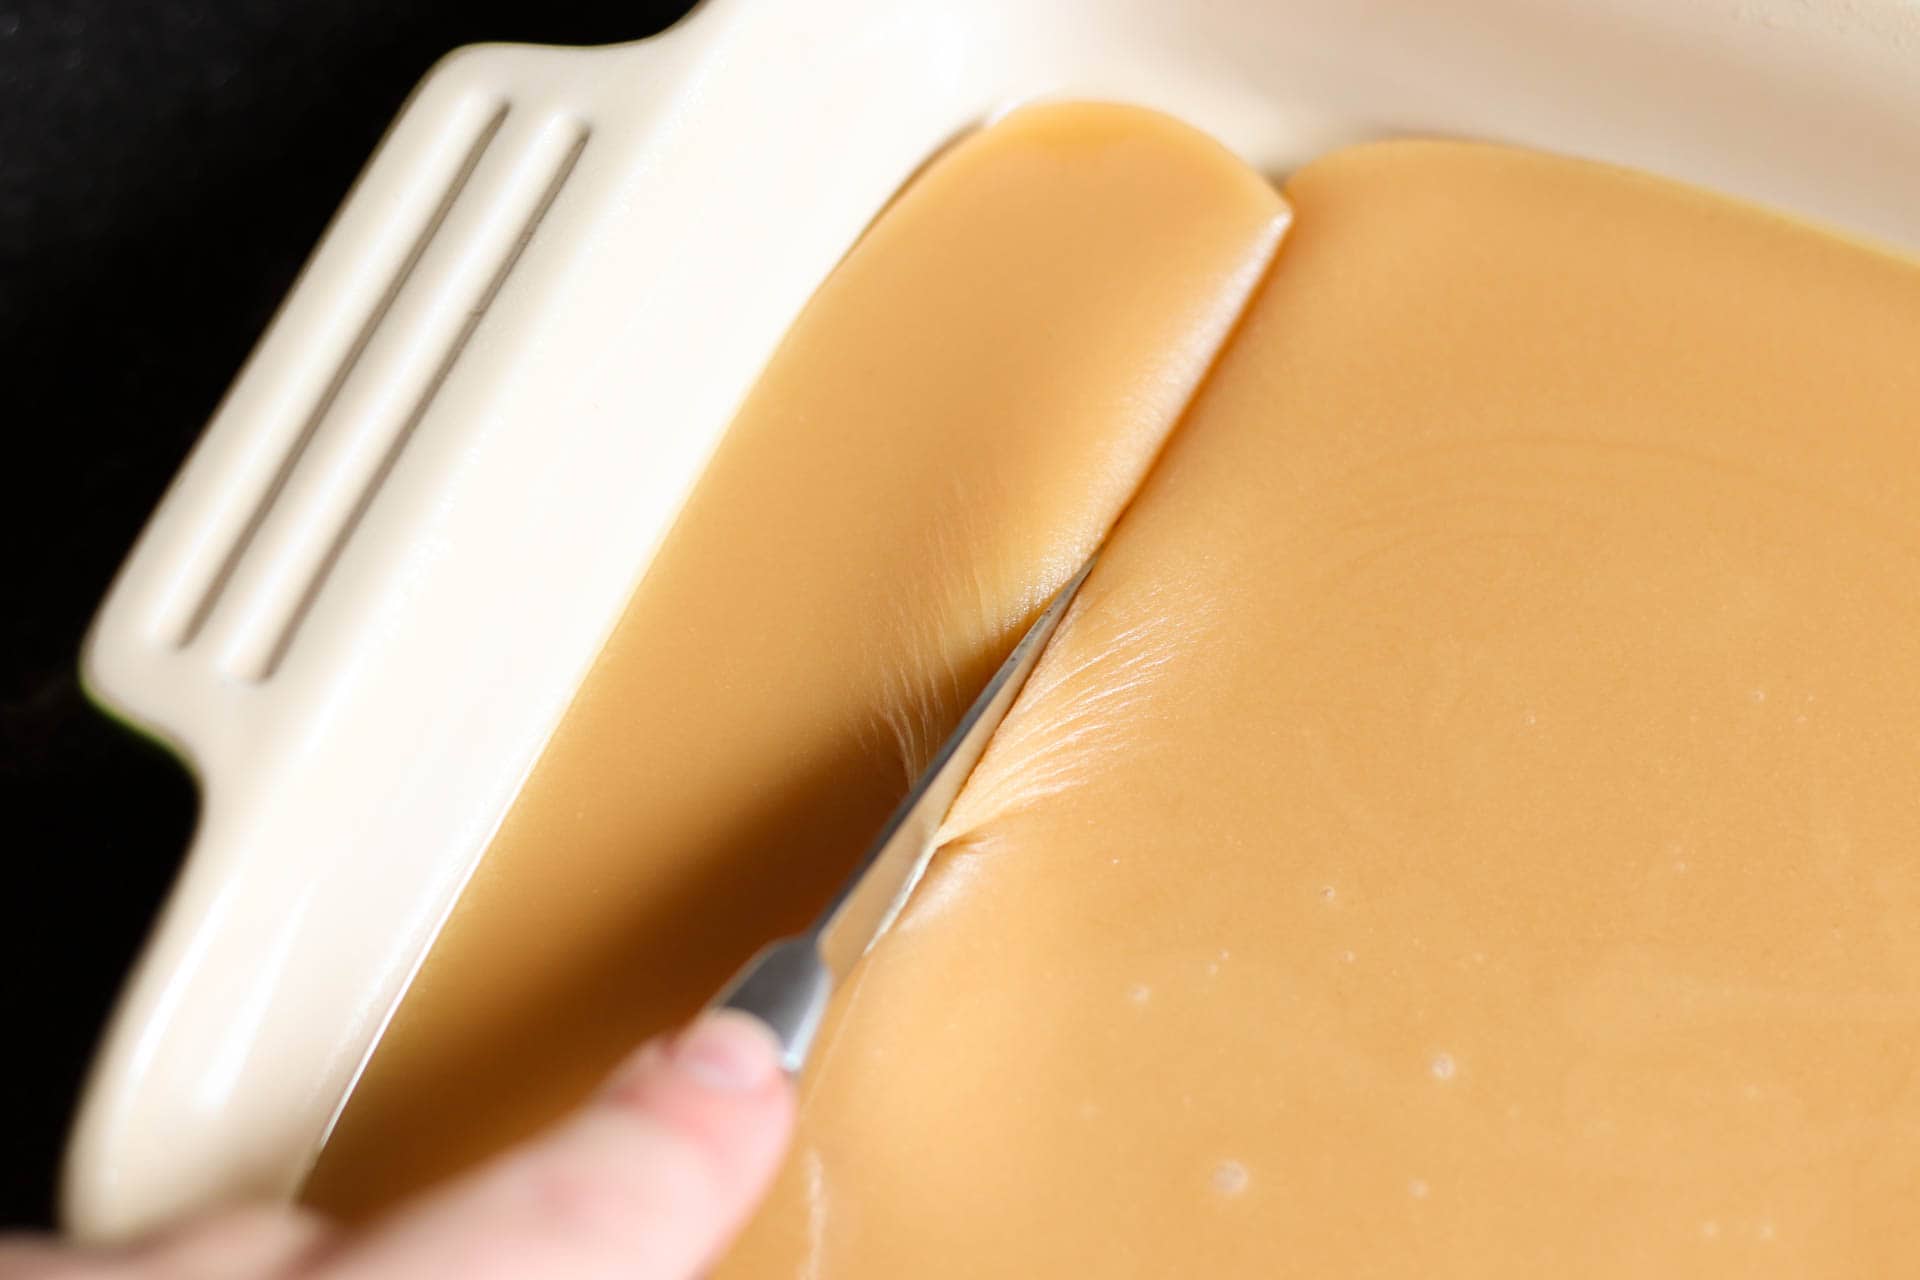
788	983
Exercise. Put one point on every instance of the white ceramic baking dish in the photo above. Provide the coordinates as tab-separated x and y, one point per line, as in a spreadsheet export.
367	598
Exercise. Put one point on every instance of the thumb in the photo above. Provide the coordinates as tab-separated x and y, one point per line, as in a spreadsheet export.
651	1179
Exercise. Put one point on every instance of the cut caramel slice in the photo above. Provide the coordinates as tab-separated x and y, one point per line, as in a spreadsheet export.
951	426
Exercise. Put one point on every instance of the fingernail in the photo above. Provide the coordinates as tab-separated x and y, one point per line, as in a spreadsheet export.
727	1051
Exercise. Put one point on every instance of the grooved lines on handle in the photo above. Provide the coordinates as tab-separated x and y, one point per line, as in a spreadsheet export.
303	604
216	586
385	384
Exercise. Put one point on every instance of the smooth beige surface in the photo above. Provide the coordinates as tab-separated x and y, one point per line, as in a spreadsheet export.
949	429
1468	825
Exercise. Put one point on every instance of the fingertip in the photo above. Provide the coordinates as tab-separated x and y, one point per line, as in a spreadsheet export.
723	1051
727	1051
719	1084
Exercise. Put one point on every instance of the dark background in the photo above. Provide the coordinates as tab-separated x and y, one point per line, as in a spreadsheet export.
164	169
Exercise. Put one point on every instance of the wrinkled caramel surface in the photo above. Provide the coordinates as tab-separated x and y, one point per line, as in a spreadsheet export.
951	426
1466	827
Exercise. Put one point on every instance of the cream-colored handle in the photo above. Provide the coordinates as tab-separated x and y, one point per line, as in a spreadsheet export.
263	608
